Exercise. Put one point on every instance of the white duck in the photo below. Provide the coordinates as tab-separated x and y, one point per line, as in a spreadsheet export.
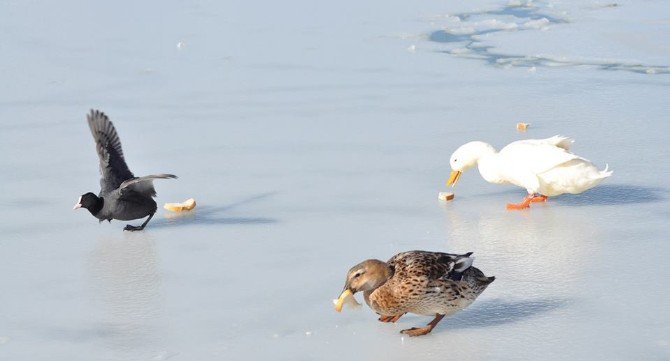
545	167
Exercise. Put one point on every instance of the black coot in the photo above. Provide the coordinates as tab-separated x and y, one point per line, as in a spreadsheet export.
122	195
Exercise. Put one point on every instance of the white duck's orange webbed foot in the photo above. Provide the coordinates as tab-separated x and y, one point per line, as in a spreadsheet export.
539	198
525	203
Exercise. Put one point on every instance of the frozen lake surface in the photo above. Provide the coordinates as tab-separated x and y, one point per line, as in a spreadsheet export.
315	135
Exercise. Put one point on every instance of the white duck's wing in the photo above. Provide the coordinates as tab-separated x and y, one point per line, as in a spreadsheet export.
557	141
520	163
535	155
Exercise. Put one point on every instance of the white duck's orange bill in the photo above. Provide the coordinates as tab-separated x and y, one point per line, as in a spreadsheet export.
453	177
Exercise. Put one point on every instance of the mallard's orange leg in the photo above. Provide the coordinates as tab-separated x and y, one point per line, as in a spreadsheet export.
391	319
419	331
539	198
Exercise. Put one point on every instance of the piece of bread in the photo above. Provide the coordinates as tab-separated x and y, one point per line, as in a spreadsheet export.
445	196
346	297
186	205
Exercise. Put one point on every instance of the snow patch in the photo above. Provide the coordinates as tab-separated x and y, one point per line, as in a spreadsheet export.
537	24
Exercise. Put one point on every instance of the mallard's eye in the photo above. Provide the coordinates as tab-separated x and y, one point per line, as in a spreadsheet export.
357	275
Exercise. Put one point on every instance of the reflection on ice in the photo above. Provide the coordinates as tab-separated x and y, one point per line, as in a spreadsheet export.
126	280
543	251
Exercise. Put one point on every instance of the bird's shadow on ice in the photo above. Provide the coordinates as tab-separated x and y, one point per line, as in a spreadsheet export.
613	194
497	312
215	215
602	195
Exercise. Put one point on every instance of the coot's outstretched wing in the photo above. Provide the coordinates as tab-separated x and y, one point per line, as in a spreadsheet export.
113	167
144	184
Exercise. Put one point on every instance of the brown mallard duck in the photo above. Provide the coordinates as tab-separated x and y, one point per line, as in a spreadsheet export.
421	282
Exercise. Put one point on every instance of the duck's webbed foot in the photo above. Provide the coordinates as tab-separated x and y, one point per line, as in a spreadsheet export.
391	319
525	203
132	228
417	331
527	200
420	331
538	198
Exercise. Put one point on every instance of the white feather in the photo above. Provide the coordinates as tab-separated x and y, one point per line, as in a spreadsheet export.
463	264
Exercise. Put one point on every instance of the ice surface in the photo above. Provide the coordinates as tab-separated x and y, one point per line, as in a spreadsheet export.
312	140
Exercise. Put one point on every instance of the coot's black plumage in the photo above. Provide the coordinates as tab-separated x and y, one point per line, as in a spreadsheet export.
122	195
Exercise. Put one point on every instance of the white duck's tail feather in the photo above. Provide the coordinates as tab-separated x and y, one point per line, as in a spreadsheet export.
606	172
561	141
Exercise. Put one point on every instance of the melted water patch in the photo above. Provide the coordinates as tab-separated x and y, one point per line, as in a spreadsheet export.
467	29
